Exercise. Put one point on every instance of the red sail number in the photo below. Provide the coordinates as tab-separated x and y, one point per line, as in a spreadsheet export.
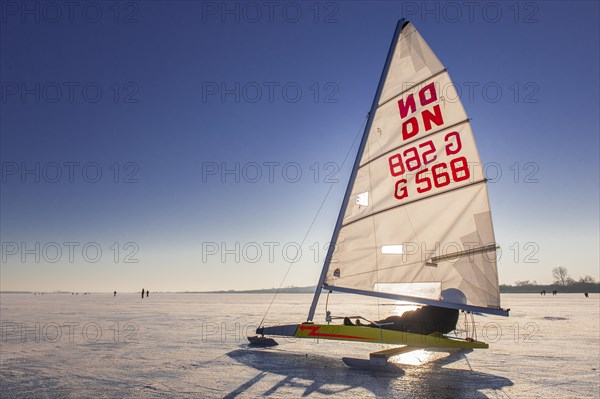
459	171
413	159
440	175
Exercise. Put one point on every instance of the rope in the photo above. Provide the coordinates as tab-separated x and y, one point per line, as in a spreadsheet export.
311	225
474	326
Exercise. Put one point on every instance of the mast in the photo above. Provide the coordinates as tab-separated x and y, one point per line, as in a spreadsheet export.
363	142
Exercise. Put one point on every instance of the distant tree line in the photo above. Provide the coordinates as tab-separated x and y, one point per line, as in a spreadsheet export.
562	283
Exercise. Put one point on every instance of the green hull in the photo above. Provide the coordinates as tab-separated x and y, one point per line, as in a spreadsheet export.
369	334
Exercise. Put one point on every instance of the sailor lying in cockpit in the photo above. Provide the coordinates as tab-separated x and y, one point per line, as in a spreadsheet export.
426	320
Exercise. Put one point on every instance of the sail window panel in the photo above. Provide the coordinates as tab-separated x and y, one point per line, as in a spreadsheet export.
357	209
396	249
362	199
412	62
429	290
428	107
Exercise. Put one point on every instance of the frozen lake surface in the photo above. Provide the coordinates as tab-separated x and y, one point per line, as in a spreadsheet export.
193	345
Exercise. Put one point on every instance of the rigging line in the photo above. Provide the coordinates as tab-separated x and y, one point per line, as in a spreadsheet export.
313	222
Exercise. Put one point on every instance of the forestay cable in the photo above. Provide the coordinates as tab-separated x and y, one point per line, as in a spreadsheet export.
313	222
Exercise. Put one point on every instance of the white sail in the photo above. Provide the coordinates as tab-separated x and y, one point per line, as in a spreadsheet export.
417	221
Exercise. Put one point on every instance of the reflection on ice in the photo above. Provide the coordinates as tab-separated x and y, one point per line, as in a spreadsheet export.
307	374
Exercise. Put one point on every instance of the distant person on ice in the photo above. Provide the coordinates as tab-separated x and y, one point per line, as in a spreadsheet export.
143	291
114	293
147	293
426	320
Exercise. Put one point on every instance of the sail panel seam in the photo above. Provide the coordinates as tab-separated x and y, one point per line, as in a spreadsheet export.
415	200
467	120
435	75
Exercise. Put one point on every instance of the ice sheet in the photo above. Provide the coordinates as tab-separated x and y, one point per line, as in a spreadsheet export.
193	345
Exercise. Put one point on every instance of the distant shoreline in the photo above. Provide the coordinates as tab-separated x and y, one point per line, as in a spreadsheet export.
578	288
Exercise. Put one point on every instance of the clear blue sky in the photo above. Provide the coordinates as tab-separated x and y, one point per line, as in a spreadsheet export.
157	96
